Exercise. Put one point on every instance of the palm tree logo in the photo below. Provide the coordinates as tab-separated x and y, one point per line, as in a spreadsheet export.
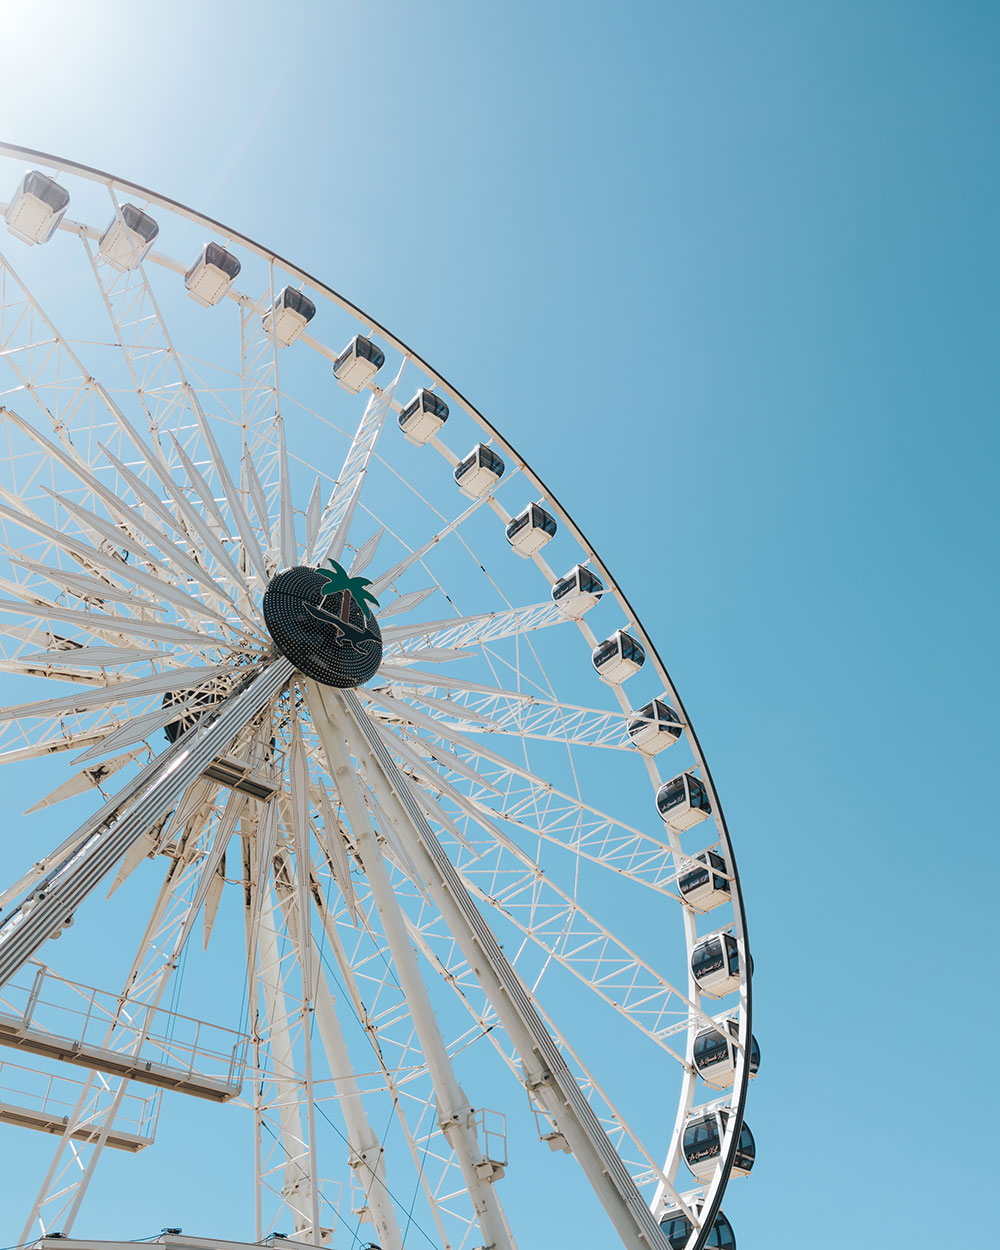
337	579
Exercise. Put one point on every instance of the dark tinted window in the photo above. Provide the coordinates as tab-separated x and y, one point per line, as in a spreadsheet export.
540	519
490	460
137	220
710	1048
670	795
563	586
721	1237
692	880
677	1230
367	350
707	957
44	189
746	1151
288	297
217	255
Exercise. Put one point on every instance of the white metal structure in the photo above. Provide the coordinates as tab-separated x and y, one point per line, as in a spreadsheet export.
426	914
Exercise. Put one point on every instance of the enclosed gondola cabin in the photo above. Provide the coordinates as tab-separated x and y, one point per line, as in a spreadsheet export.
128	238
617	658
423	416
357	364
715	965
682	802
654	727
705	886
530	530
677	1228
211	275
577	592
38	206
702	1145
714	1054
479	471
288	315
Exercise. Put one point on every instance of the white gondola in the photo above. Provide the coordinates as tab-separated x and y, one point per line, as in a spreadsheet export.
702	1144
38	206
423	416
479	471
211	275
128	238
715	964
530	530
714	1053
358	363
677	1228
654	727
577	592
618	657
704	884
683	801
288	315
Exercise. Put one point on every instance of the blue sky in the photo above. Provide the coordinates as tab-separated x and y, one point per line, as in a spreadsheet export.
727	275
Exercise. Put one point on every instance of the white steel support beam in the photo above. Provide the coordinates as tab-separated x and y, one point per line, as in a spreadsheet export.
546	1073
455	1110
155	960
299	1190
108	835
366	1155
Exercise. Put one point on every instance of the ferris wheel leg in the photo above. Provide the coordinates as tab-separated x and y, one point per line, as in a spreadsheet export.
73	1164
366	1155
456	1113
299	1190
545	1072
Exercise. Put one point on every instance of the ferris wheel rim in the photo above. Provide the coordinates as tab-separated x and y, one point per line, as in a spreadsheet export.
714	1192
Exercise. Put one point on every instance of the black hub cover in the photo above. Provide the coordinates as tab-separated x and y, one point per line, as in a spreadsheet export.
321	620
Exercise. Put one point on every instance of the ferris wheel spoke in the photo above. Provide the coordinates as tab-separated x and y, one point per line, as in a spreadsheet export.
511	881
580	831
186	524
117	692
366	553
116	629
241	519
86	586
130	521
340	508
192	609
392	575
108	835
496	625
522	716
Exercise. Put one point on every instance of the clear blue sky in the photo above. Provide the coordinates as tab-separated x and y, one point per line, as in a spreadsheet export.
738	262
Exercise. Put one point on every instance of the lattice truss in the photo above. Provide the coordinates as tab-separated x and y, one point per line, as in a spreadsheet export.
147	497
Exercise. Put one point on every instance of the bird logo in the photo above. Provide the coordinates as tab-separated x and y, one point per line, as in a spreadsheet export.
336	579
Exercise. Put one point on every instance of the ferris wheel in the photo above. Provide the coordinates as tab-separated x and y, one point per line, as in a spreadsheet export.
351	765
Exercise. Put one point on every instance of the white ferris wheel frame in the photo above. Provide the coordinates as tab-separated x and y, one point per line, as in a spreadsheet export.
528	1032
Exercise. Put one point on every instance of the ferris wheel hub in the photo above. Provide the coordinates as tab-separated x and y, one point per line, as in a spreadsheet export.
322	620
